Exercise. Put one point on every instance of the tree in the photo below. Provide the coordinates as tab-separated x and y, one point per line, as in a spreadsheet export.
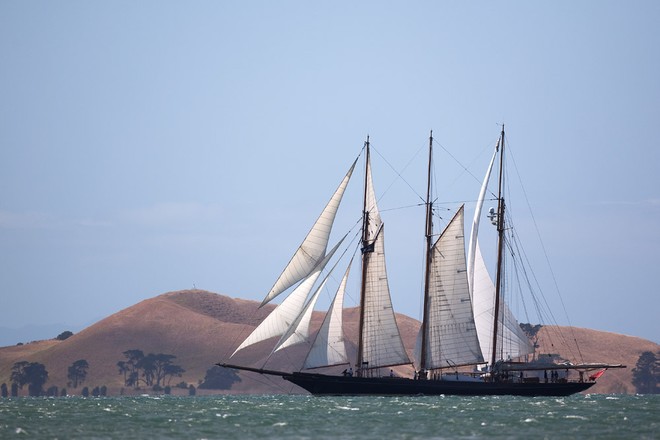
172	371
152	369
37	376
18	376
157	367
52	391
5	391
131	367
32	374
64	335
219	378
77	373
647	373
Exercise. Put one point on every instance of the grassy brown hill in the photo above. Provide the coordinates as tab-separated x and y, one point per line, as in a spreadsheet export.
201	328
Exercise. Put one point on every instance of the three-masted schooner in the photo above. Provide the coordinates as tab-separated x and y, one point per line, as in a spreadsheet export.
465	323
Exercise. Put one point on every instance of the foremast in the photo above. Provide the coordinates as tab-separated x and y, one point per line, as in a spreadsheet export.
379	341
366	250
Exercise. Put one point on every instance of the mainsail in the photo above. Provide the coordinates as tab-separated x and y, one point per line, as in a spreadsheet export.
311	251
513	342
451	337
329	348
381	343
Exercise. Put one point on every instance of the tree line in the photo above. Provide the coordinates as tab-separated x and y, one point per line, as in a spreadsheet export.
154	370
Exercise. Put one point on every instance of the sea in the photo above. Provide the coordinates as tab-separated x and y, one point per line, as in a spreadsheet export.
308	417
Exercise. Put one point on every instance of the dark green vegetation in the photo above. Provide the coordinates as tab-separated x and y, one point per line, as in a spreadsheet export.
152	370
219	378
32	374
646	374
77	372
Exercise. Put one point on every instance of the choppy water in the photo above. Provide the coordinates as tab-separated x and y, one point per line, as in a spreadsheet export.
306	417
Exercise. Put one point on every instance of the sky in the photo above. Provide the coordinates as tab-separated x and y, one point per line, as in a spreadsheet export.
154	146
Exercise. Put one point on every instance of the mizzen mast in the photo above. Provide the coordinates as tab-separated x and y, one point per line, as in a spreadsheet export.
500	250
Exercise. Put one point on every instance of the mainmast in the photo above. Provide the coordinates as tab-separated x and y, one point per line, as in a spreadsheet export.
427	272
500	250
365	259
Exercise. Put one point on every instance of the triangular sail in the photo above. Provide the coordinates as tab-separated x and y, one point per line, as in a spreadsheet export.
451	334
280	319
298	331
477	217
513	342
329	347
311	251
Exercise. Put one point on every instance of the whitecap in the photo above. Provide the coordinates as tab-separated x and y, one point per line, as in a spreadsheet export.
570	416
280	424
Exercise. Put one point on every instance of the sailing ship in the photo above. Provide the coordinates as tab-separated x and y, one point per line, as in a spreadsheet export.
469	342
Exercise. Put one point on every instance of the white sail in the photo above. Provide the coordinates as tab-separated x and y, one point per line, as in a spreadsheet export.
311	251
329	347
298	331
280	319
477	217
451	337
371	207
381	340
512	340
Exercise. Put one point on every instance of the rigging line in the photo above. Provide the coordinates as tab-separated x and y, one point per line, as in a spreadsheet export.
465	168
545	253
399	174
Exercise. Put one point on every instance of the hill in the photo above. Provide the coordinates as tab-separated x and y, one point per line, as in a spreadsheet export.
201	328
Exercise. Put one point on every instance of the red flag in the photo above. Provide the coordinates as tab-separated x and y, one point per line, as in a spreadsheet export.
597	374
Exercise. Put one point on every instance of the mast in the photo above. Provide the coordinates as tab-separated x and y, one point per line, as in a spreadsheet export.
500	249
365	259
427	271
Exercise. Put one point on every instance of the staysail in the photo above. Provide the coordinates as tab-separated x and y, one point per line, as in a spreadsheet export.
329	348
312	250
298	331
513	342
451	338
284	315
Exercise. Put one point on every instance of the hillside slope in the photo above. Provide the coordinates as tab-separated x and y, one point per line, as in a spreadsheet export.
201	328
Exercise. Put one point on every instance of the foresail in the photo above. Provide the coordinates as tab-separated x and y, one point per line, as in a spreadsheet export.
298	331
382	345
312	250
284	315
329	347
451	333
281	318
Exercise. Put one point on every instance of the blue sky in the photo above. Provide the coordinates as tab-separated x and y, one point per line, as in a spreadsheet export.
152	146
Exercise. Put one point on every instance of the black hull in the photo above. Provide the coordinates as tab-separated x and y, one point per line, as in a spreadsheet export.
322	384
